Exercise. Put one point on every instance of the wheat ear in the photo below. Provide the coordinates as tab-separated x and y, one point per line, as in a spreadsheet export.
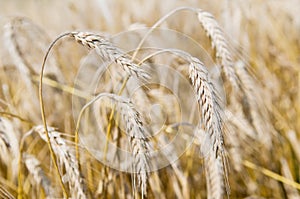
136	134
109	52
139	144
214	177
209	106
15	53
212	141
66	158
33	165
219	42
9	146
214	31
215	170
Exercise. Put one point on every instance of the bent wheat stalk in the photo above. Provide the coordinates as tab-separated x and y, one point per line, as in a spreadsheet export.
105	50
214	31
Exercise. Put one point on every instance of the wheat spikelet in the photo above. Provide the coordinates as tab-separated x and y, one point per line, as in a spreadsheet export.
66	158
219	42
34	167
110	52
209	106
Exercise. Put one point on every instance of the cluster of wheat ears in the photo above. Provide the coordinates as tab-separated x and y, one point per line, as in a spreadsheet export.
232	155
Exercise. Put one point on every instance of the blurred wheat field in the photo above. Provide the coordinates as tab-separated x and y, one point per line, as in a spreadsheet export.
149	99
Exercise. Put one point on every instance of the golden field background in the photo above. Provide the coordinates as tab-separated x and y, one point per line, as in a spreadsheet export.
263	150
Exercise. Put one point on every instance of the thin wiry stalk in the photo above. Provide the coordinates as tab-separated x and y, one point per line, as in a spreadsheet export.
20	187
160	21
214	31
272	174
42	107
66	158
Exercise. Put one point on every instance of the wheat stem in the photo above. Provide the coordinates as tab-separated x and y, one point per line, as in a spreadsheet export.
42	107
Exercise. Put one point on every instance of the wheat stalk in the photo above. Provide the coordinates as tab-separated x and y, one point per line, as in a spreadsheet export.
212	141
